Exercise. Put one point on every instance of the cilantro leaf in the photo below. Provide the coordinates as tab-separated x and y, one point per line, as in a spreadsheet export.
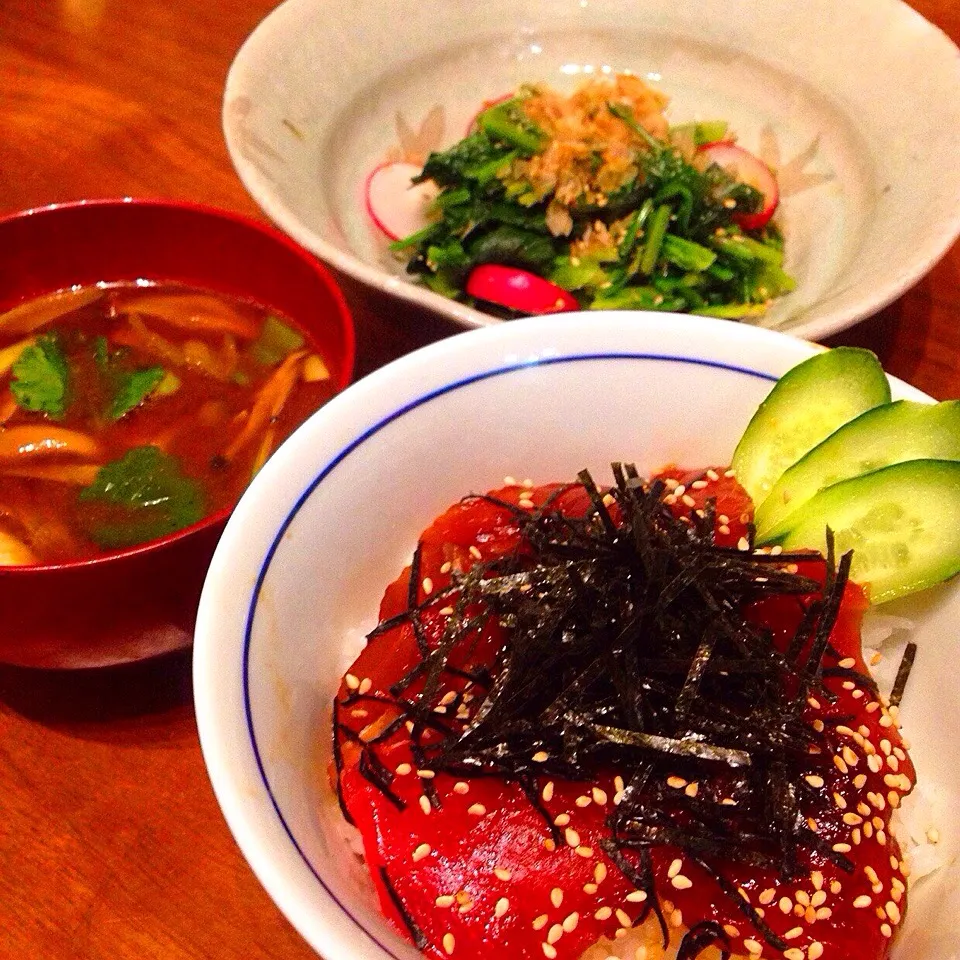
41	378
132	388
145	495
126	388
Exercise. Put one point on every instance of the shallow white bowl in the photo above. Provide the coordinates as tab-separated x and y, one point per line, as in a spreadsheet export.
334	516
856	102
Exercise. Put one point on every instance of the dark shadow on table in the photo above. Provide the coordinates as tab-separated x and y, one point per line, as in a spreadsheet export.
141	700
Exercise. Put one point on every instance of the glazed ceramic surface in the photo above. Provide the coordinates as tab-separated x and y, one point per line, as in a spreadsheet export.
856	105
334	516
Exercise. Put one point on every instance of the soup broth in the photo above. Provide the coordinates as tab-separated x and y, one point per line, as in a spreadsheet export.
128	412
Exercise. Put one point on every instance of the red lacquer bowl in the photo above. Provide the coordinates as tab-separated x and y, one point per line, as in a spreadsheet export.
142	601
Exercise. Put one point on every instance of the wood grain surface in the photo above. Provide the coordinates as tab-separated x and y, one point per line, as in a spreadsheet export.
111	841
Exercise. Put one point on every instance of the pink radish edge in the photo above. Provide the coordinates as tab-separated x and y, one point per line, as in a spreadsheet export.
397	206
747	168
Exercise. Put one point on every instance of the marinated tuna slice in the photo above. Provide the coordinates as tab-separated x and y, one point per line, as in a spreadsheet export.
589	711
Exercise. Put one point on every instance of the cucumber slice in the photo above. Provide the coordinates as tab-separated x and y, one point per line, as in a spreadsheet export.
804	407
888	434
902	523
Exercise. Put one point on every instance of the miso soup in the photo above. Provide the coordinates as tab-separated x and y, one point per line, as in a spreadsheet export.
128	412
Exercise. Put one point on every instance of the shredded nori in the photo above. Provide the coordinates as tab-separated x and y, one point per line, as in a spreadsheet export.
702	935
628	649
903	674
416	934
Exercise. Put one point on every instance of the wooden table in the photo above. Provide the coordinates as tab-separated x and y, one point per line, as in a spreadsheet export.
111	842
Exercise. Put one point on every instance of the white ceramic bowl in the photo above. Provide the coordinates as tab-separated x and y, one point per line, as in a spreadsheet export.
856	102
334	515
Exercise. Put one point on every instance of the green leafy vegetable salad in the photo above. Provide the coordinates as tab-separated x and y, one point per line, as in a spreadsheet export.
593	201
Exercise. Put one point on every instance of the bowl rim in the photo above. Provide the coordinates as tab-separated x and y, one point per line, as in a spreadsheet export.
344	320
224	736
927	254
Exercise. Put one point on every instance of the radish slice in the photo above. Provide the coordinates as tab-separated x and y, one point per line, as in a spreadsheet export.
744	167
397	206
518	290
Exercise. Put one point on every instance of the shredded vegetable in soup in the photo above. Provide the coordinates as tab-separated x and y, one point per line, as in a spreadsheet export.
128	412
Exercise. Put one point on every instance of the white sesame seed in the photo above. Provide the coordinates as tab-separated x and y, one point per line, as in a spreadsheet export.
933	835
547	793
583	801
570	922
561	819
475	552
403	769
366	685
814	780
637	896
678	783
590	888
623	918
681	882
604	913
886	930
502	906
600	872
549	951
794	953
446	567
449	943
422	851
752	947
584	851
502	873
424	803
815	950
540	922
572	837
785	904
541	756
554	933
426	774
461	787
476	809
445	901
862	901
793	933
556	896
599	796
427	585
